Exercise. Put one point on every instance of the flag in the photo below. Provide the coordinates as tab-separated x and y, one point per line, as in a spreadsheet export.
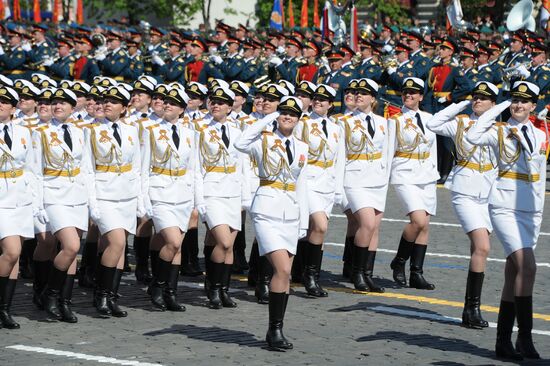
454	14
2	10
354	30
316	21
290	15
55	11
544	15
16	10
276	21
304	15
79	12
36	11
326	21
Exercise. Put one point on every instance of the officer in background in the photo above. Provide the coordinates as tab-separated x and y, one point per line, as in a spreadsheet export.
393	78
136	67
309	71
12	61
539	74
420	61
156	47
62	68
114	64
337	78
173	69
85	67
41	49
369	67
287	68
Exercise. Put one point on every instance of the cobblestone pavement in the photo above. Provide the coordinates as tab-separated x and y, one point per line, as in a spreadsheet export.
400	327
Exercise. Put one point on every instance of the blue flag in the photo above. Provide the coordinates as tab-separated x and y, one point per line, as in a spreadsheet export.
276	21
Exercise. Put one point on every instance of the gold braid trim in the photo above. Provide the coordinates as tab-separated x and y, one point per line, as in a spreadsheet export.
459	138
504	154
401	142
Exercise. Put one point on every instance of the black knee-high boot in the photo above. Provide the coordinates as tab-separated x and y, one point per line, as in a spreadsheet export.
141	251
239	247
7	290
471	315
154	254
207	251
159	283
417	279
50	296
171	290
369	268
104	278
398	263
215	272
65	298
253	264
299	261
312	269
348	256
524	315
42	273
25	259
358	268
88	264
506	317
126	266
265	272
112	299
190	265
227	301
275	338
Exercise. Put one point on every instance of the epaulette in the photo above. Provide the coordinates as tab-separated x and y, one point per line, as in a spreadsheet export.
501	63
42	128
267	133
409	65
500	123
545	68
122	53
91	125
72	58
462	116
397	115
152	126
474	71
346	74
204	110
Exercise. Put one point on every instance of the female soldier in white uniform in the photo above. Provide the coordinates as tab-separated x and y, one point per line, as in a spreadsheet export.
17	187
63	171
516	203
219	191
280	208
168	168
325	175
117	163
369	153
414	176
470	182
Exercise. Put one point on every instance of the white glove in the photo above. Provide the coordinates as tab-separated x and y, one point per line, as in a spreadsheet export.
95	214
246	205
202	211
387	48
302	234
1	50
140	208
100	57
48	62
148	207
442	100
26	46
157	60
42	216
391	70
456	108
542	114
150	47
494	112
216	59
281	50
522	71
338	199
275	61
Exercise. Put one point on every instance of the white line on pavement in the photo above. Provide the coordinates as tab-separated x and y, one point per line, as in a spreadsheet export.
80	356
444	255
448	224
437	317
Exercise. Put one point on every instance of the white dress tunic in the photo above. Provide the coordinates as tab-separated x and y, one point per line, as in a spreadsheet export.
64	175
17	183
168	174
117	180
279	209
368	160
516	200
326	161
414	165
221	184
472	177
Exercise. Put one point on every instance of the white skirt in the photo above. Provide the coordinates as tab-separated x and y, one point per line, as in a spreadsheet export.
117	215
418	197
223	211
17	221
40	227
371	197
516	229
320	202
172	215
62	216
274	234
472	212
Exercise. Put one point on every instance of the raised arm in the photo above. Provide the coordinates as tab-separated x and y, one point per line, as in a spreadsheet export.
252	133
444	122
479	133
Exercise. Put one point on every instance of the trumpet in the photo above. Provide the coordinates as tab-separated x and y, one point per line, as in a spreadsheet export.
36	65
510	72
149	57
389	61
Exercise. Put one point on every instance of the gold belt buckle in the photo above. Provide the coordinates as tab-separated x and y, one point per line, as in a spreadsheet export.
118	169
13	173
225	169
285	186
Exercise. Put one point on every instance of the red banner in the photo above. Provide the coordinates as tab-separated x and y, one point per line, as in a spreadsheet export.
79	12
16	10
55	11
304	16
290	14
36	11
316	21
